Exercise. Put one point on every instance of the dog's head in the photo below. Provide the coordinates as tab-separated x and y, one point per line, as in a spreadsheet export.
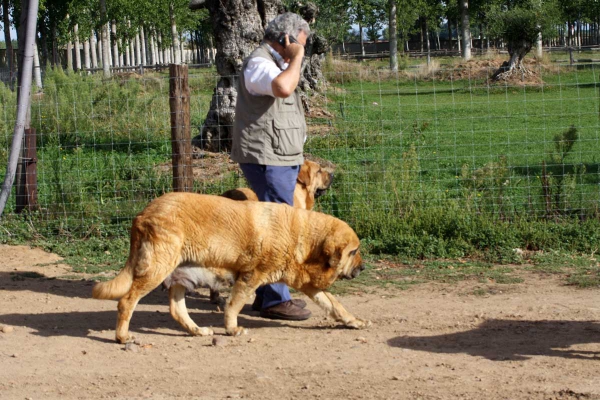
342	252
314	178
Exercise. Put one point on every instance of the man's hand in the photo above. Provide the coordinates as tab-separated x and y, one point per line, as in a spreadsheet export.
292	50
293	53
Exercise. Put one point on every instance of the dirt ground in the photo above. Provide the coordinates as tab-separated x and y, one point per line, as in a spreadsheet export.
534	340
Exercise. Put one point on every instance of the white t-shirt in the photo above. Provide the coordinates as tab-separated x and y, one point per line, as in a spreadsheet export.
260	72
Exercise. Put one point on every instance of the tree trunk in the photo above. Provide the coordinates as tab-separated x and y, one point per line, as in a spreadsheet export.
466	29
9	49
539	50
139	48
393	36
182	50
105	40
362	40
132	51
100	50
421	37
93	49
458	38
86	54
37	72
428	44
69	56
127	56
77	53
113	38
159	52
517	51
153	60
143	46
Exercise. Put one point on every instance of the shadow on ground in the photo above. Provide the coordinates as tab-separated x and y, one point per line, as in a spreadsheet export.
501	340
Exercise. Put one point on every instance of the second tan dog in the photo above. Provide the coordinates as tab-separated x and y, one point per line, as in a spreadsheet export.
250	243
313	181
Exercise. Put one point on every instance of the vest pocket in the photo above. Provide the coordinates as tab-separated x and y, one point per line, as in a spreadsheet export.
288	138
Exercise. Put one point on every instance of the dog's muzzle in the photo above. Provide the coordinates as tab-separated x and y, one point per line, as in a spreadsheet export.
356	271
321	192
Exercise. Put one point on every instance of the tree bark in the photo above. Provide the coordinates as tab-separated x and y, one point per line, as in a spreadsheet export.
539	50
152	49
466	29
362	40
115	42
127	56
77	53
138	50
37	72
393	23
93	49
69	56
458	38
426	33
105	40
86	54
143	46
517	51
174	36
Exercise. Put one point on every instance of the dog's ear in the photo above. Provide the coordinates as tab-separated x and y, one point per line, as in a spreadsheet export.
304	175
332	252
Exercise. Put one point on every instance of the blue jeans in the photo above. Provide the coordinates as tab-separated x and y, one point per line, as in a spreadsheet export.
274	184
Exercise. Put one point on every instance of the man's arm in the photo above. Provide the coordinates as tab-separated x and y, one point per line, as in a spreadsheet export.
286	82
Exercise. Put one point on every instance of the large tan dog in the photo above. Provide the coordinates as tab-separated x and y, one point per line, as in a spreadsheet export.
312	182
249	243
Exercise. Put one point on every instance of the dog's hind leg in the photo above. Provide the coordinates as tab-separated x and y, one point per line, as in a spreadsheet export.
335	309
180	314
151	268
127	304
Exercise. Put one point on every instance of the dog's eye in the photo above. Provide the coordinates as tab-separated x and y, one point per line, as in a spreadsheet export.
353	252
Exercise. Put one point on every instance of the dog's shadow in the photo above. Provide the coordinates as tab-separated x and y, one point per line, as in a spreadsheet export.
83	323
80	323
502	340
80	288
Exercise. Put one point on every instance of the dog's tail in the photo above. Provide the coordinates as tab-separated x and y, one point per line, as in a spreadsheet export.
117	287
120	284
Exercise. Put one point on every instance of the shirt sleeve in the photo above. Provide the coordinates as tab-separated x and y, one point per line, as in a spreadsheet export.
259	75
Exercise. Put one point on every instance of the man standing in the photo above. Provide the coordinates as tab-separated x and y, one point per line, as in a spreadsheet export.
269	133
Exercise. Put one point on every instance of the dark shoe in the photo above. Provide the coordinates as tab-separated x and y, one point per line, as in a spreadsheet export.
257	305
287	311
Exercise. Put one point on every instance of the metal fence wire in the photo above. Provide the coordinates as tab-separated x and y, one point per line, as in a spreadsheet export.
433	137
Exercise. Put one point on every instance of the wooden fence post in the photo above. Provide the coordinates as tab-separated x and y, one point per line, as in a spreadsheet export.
27	180
181	139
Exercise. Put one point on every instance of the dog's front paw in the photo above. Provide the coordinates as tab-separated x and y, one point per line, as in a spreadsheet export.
202	331
358	324
124	339
237	331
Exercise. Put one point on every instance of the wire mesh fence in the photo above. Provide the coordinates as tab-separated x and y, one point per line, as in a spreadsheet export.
419	143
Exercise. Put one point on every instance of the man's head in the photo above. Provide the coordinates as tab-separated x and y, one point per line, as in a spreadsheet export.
287	23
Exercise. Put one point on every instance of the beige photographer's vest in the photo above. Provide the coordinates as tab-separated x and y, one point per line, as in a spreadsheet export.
267	130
